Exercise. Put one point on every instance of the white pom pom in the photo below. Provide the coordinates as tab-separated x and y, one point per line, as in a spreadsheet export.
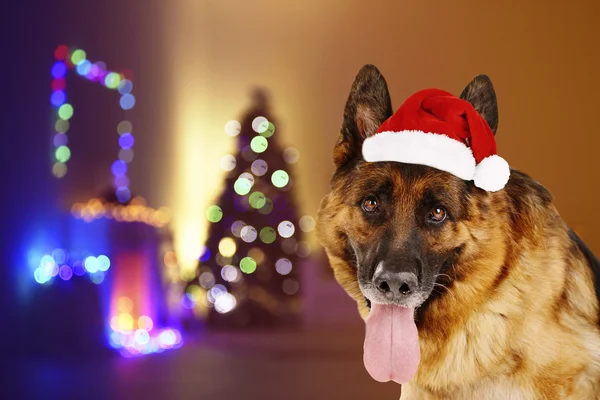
492	173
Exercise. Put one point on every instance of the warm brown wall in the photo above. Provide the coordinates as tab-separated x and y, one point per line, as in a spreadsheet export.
541	55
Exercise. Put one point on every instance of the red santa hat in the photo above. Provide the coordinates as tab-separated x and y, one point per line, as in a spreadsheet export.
439	130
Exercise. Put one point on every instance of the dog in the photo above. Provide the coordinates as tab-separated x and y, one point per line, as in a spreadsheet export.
506	294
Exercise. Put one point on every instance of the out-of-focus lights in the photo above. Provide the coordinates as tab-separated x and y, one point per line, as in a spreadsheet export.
283	266
280	178
228	162
65	111
91	264
286	229
229	273
135	212
259	167
291	155
58	98
290	286
227	247
268	235
145	323
206	279
307	223
214	213
103	263
248	234
225	303
126	141
248	265
59	169
268	130
233	128
63	154
257	200
112	80
259	144
236	228
260	123
78	57
127	101
124	127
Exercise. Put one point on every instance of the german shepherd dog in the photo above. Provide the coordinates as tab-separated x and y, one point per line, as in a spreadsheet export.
507	294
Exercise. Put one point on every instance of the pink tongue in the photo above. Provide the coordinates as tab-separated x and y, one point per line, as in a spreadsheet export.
391	351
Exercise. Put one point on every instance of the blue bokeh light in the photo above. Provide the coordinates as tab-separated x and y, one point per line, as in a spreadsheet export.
126	141
125	86
84	68
58	98
127	101
59	69
91	264
119	168
103	263
123	194
205	256
60	139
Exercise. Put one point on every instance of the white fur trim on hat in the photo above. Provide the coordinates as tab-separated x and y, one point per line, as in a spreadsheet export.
492	173
417	147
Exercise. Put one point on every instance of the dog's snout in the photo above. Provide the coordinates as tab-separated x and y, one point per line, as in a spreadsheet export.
395	284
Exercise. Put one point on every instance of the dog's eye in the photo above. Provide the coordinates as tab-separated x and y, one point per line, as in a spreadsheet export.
370	205
437	214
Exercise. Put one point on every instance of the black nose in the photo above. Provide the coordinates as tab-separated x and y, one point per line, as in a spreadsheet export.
403	283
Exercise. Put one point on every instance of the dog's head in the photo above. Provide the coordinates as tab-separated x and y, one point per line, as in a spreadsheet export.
393	231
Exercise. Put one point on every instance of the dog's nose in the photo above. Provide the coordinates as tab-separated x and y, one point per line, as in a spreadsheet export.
395	283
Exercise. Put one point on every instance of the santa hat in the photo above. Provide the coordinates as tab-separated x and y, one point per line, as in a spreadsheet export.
439	130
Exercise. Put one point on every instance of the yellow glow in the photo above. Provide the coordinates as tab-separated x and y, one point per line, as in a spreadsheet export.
227	247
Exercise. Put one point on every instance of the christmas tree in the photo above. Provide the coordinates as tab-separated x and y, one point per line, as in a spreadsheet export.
247	275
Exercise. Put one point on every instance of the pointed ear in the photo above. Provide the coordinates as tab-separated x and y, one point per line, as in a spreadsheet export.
481	94
368	106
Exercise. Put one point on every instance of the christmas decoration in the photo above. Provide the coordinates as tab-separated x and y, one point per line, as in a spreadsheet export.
76	59
247	274
440	130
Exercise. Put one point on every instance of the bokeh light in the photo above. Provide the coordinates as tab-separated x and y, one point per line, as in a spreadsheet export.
65	111
257	255
91	264
61	52
84	68
236	228
123	194
61	126
59	169
247	265
268	207
103	262
290	286
286	229
257	200
214	213
204	254
206	279
59	256
259	167
260	123
225	303
233	128
303	250
229	273
269	131
65	272
127	101
280	178
248	234
283	266
60	139
289	246
291	155
227	247
97	277
58	98
126	141
58	84
228	162
125	86
78	57
63	154
59	69
268	235
124	127
307	223
242	186
259	144
126	155
119	168
112	80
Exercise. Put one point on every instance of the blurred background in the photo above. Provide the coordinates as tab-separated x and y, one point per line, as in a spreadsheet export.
164	161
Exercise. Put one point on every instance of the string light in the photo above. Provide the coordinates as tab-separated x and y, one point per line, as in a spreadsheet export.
136	211
64	265
96	72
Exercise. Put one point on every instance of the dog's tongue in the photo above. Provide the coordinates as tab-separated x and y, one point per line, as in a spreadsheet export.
391	351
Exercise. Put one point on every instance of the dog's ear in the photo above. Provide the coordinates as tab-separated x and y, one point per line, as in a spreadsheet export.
481	94
368	106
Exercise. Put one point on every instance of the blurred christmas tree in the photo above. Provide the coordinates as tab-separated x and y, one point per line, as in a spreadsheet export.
248	275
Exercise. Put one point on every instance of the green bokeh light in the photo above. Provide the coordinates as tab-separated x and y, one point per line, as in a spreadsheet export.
112	80
214	214
242	186
268	235
248	265
280	178
257	200
78	57
268	207
65	111
269	131
63	153
259	144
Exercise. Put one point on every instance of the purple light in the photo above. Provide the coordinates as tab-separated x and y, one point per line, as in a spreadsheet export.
78	268
126	141
65	272
119	168
60	139
59	69
122	180
123	194
58	98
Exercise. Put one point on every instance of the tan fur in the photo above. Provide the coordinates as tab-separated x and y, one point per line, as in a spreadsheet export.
519	319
